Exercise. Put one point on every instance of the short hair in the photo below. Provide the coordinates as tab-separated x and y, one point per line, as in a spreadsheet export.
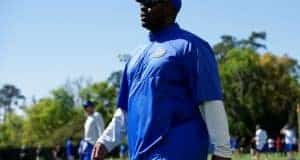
88	104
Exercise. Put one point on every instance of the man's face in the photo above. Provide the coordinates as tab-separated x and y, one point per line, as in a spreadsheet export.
154	15
89	110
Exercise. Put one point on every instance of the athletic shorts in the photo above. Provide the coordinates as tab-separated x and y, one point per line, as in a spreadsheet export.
262	150
288	147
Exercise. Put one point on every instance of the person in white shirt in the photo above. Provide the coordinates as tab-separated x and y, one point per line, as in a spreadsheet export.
271	145
261	138
93	129
290	140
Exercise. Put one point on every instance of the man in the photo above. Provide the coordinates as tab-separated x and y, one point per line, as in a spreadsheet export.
122	151
271	145
23	152
289	141
58	153
233	143
278	143
38	152
162	88
93	129
69	149
80	149
261	138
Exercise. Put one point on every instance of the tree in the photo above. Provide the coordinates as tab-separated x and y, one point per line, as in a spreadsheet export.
57	119
252	43
46	117
73	128
115	77
259	89
124	58
9	95
62	97
74	86
104	95
229	42
11	131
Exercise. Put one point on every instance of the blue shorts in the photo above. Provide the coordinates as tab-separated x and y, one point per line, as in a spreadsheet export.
87	153
263	149
271	150
288	147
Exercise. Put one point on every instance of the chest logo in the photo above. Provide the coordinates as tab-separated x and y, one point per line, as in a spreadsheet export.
158	53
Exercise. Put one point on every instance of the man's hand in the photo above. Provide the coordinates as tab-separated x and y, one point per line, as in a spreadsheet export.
219	158
99	152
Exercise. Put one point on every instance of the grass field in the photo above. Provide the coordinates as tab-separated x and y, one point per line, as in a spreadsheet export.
248	157
263	157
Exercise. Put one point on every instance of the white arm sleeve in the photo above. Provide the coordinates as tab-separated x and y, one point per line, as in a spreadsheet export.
100	124
115	132
214	114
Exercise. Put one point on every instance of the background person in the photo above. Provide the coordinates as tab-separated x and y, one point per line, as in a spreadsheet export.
289	141
261	138
70	149
93	129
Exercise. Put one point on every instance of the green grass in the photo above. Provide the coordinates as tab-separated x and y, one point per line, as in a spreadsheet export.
263	157
248	157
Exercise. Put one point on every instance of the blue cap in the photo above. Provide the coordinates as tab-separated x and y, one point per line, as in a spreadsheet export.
88	104
176	3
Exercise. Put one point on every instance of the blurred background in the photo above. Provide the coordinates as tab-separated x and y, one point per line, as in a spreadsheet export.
56	54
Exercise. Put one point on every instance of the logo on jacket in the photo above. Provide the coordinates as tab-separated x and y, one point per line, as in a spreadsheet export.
158	53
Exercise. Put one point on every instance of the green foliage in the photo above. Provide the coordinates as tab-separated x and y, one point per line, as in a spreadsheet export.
43	119
73	128
229	42
115	79
258	88
9	95
11	131
105	97
52	120
47	116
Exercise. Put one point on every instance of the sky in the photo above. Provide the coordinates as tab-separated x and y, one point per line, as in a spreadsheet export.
45	43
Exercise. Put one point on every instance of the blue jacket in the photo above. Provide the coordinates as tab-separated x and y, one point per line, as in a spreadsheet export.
162	87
